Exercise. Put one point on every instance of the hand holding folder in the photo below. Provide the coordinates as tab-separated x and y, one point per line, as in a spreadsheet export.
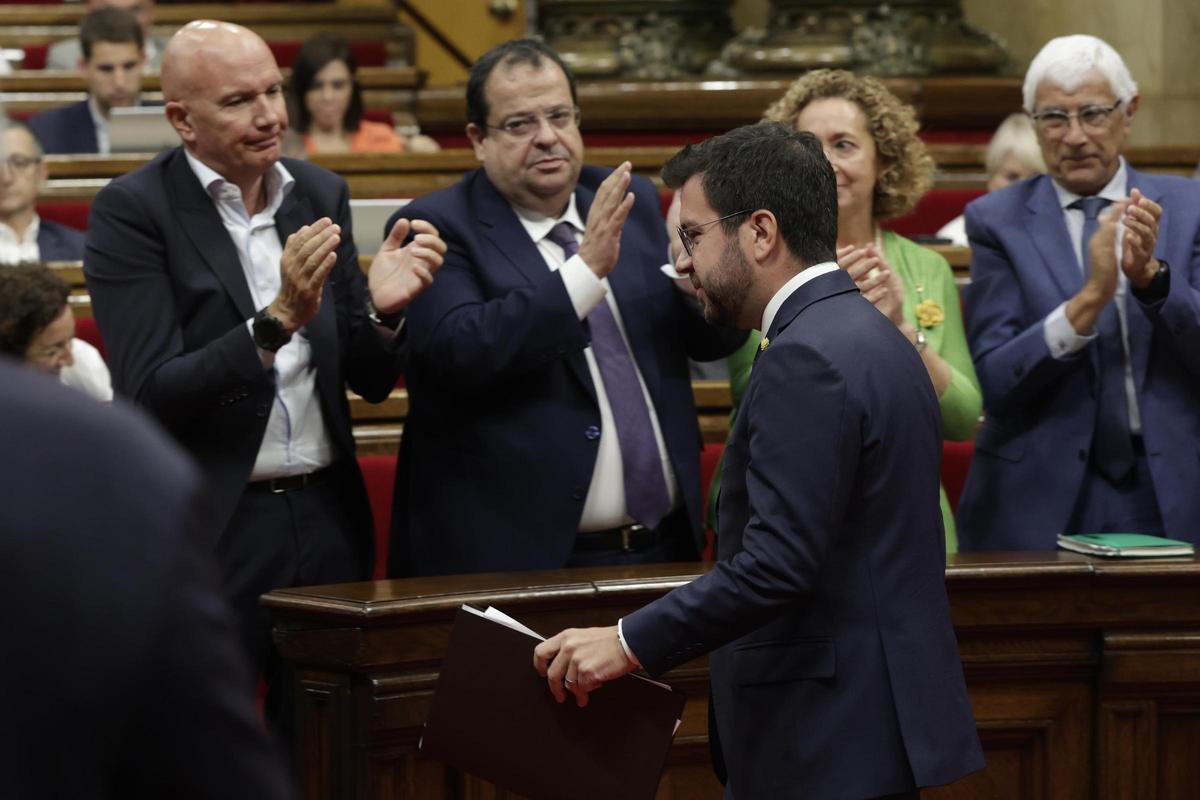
493	716
581	660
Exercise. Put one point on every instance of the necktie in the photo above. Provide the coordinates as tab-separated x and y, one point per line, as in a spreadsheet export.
1112	442
646	496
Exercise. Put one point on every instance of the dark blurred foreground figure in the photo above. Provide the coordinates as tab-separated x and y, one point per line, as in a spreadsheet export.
835	672
120	676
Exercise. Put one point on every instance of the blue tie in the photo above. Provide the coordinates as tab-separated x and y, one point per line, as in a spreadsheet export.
646	496
1112	441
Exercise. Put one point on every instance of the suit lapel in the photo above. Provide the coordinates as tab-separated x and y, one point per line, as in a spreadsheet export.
819	288
201	223
1047	230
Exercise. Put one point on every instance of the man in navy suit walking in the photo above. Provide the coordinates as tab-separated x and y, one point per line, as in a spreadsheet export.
834	667
551	419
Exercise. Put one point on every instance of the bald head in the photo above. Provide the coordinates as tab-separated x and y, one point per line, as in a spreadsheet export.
204	50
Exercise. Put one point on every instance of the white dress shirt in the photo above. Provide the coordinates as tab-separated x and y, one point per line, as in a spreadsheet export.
296	440
100	123
22	249
89	374
604	507
1061	338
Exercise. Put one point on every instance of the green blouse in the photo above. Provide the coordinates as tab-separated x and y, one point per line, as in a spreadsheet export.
928	285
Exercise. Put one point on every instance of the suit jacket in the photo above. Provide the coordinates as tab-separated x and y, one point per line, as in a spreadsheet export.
1032	451
67	129
126	682
501	437
59	242
834	667
172	302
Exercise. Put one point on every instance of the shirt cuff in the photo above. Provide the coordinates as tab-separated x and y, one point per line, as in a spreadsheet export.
583	287
1061	338
625	646
265	356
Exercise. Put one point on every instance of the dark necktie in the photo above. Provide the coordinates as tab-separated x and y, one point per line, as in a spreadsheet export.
1112	441
646	496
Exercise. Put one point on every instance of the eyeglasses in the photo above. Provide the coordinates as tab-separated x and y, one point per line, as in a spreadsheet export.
524	127
685	234
18	163
1093	119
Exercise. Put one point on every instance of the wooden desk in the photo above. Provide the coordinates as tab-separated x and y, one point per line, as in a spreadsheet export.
1084	674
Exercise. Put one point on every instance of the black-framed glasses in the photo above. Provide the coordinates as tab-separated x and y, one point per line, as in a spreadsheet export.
685	234
1093	119
525	126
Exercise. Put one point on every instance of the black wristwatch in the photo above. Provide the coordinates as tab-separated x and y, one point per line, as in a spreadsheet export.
390	321
1158	287
268	332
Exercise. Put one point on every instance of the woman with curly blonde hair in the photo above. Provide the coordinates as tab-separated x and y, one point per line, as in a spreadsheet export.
882	170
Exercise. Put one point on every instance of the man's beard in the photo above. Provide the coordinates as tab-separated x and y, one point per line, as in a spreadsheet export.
726	287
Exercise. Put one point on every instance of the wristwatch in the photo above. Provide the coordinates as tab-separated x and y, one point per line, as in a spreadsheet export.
268	332
920	342
389	321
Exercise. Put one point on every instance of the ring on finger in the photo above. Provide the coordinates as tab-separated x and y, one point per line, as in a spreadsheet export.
568	682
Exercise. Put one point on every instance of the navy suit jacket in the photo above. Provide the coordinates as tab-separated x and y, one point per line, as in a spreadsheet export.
67	129
501	437
172	303
834	671
123	678
59	242
1032	451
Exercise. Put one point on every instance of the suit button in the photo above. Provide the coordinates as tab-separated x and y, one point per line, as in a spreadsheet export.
578	493
1083	455
592	432
262	409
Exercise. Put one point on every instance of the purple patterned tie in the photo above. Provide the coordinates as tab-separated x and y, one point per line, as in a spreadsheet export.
646	496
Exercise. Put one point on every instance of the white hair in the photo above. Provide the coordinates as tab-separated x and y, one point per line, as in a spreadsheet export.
1068	61
1015	137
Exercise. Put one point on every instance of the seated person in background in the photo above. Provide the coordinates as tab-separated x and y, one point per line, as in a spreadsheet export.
112	64
24	236
326	102
1012	155
36	326
882	170
65	55
1087	343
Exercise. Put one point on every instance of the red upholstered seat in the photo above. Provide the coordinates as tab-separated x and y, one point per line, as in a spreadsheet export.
936	208
710	458
35	56
379	473
74	215
956	460
86	329
367	54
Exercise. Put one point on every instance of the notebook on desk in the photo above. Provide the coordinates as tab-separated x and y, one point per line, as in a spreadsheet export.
368	218
140	129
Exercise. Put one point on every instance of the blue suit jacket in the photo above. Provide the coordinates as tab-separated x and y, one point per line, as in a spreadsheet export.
59	242
172	302
500	441
1032	451
67	129
99	567
835	671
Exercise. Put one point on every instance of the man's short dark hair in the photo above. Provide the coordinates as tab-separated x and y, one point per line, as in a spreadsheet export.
518	51
31	297
109	24
769	166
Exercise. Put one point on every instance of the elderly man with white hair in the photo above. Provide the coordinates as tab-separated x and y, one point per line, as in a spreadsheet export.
1083	318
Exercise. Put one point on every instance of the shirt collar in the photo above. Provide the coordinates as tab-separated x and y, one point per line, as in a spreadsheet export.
31	232
538	225
279	184
795	282
1114	191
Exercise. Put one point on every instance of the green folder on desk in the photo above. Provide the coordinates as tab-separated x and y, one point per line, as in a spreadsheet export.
1124	545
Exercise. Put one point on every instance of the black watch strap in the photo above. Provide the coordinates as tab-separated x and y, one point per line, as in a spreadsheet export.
389	321
268	332
1159	286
